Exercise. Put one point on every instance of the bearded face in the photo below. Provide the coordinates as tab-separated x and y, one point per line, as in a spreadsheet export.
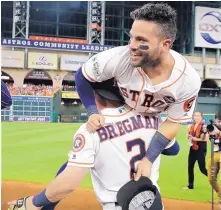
146	45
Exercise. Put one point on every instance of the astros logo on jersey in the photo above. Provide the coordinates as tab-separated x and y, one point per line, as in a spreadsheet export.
188	104
79	142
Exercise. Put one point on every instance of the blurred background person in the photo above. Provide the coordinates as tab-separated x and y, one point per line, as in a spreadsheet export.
198	137
6	99
212	175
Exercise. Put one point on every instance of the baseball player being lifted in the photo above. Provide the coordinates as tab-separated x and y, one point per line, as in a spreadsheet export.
152	78
111	153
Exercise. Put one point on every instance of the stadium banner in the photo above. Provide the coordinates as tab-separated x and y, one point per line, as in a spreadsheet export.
199	67
31	119
13	59
207	27
26	43
73	62
42	61
58	39
213	71
33	98
70	94
38	74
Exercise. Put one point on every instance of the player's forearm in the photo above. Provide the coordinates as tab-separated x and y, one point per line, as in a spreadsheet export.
162	139
65	183
61	186
86	92
169	129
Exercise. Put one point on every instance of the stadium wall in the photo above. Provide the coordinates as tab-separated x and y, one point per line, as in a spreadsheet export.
208	106
18	75
33	109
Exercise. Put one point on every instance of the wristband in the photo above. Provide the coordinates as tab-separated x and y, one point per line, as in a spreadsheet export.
41	200
172	150
158	143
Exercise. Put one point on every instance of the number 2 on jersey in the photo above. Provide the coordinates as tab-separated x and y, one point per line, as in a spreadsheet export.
130	144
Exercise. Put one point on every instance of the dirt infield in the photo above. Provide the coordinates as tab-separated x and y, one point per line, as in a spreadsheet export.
83	199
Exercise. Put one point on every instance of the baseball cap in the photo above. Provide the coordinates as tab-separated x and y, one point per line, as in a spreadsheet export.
139	195
108	90
108	95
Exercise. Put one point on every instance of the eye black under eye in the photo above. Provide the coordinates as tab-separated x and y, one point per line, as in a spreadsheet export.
141	40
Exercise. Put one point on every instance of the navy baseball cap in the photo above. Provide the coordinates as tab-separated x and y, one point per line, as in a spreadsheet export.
108	89
139	195
108	95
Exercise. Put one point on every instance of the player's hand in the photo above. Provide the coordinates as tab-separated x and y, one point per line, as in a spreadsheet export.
95	121
143	169
27	205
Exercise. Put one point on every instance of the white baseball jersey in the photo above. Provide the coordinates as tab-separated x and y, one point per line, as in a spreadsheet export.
177	95
114	151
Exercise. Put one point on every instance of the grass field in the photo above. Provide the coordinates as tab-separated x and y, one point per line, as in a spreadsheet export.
33	152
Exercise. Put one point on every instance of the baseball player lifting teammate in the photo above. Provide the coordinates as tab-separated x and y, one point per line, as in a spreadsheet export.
152	78
118	145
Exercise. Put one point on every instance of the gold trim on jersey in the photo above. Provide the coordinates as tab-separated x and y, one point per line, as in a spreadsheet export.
184	69
86	74
78	163
179	119
143	80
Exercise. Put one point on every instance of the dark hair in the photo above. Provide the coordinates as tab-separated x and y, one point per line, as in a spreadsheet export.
218	115
103	101
160	13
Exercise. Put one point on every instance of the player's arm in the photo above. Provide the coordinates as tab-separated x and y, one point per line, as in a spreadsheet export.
98	68
65	183
6	99
180	111
81	158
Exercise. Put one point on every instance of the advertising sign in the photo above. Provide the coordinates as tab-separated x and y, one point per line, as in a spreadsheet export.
13	59
208	27
26	43
73	62
199	68
213	71
42	61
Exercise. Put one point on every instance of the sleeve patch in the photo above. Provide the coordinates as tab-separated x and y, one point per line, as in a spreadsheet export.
95	67
79	142
169	99
188	104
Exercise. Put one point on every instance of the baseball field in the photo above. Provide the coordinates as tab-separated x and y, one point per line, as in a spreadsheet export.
33	152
